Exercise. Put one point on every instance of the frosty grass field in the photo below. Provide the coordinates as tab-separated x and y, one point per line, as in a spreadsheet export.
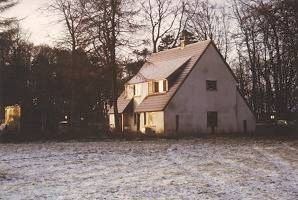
158	169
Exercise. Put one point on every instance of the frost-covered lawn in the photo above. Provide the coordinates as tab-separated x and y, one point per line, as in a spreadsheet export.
162	169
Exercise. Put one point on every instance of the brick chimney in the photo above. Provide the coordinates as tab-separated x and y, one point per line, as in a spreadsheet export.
182	43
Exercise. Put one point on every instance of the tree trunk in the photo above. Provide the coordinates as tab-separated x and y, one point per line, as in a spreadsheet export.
1	95
112	48
114	99
72	97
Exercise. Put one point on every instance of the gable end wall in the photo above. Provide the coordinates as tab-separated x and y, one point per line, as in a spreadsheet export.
192	100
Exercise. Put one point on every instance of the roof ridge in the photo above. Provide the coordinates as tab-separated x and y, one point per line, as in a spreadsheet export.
179	48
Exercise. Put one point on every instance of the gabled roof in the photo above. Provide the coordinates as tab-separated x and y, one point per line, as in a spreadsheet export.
186	59
191	51
158	69
122	104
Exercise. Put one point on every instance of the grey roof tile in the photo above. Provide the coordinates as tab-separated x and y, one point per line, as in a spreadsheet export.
158	70
122	103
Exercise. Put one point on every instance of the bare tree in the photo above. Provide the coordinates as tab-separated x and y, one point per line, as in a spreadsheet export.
209	21
108	24
164	16
5	31
247	26
267	39
71	15
5	5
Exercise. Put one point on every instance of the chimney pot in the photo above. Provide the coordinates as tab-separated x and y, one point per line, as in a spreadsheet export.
182	44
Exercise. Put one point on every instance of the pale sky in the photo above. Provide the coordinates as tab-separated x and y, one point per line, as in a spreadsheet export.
42	26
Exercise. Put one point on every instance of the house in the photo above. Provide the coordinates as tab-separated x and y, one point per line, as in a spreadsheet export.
188	89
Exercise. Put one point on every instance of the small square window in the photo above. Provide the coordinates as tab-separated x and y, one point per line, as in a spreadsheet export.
211	119
211	85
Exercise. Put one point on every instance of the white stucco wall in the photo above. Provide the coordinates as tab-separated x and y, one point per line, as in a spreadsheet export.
140	98
192	101
244	113
129	117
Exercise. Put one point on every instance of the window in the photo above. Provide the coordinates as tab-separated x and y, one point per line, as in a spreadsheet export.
156	87
164	85
211	119
137	90
211	85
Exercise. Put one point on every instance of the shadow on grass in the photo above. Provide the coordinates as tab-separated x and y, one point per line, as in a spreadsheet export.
38	136
269	134
103	135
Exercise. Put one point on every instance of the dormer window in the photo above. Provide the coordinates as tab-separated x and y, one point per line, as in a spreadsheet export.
165	85
156	87
160	86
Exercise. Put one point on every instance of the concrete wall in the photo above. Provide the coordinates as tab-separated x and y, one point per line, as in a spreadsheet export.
192	101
